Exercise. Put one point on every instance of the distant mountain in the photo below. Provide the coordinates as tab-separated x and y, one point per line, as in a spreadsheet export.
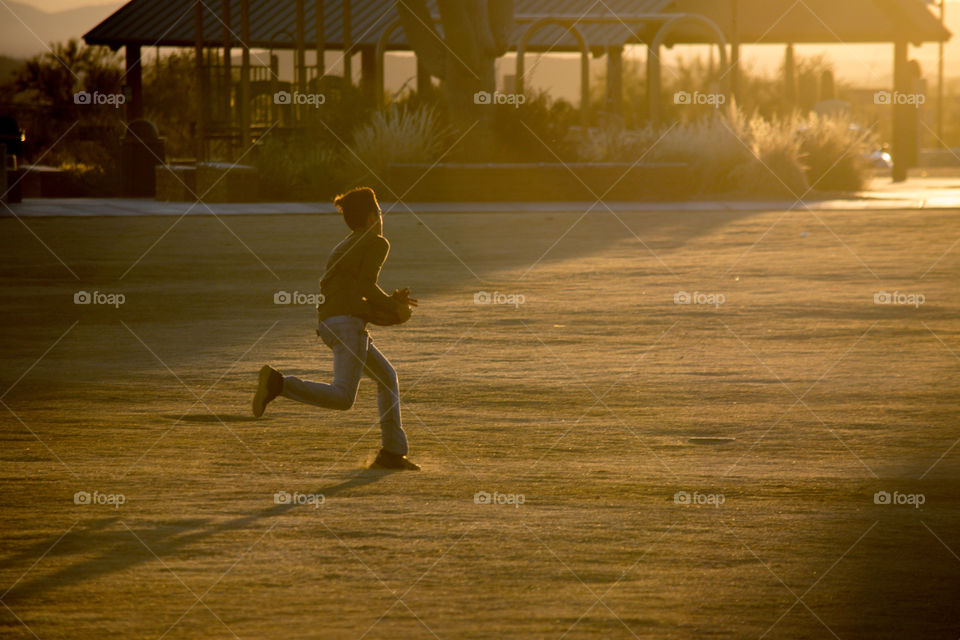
25	30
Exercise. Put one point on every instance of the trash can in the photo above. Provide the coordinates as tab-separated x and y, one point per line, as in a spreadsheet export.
142	149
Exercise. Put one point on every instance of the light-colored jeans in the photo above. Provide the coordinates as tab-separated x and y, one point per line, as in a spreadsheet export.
353	356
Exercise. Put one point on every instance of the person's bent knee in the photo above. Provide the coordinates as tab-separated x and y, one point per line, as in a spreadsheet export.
343	400
342	403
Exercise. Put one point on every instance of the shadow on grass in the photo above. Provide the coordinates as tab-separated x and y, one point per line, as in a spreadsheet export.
119	547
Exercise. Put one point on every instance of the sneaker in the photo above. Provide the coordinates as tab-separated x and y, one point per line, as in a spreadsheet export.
269	387
394	462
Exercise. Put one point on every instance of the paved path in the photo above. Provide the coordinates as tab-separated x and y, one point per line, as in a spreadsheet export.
915	194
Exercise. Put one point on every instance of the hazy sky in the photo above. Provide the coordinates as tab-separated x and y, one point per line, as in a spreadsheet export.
60	5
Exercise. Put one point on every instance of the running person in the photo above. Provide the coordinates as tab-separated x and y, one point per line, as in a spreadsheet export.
351	297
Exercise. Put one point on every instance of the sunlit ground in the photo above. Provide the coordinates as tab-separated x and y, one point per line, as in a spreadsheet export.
581	402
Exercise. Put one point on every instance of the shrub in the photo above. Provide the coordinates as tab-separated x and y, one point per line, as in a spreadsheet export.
777	166
304	167
537	131
729	152
714	148
612	142
89	180
345	105
834	148
84	140
169	87
761	93
397	134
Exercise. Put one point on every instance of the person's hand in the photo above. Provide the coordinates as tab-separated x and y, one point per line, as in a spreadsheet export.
403	296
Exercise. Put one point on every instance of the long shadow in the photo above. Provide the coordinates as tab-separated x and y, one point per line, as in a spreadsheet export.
498	245
121	550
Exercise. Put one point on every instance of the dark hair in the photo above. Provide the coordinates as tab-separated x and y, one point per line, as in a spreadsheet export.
356	206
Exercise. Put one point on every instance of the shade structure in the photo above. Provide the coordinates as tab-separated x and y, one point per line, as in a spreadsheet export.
273	22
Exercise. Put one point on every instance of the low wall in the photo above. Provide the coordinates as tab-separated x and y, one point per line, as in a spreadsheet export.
208	181
38	181
175	182
537	181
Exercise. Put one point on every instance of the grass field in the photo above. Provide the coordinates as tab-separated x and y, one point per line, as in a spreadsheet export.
585	402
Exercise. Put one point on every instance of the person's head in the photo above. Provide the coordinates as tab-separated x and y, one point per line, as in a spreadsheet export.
359	207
